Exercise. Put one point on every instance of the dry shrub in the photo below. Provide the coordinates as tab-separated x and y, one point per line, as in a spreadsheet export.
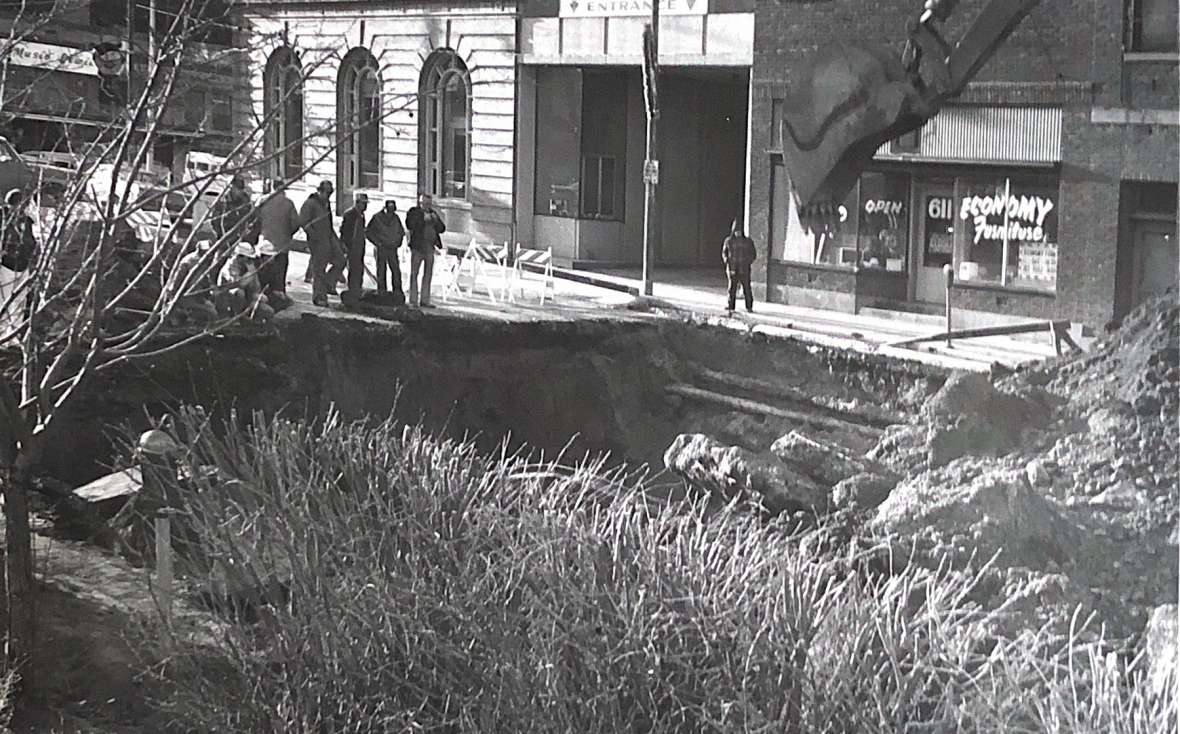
409	583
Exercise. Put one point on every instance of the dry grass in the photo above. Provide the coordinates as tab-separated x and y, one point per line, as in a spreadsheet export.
426	587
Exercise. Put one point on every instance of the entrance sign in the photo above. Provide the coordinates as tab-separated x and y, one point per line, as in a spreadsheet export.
54	58
618	8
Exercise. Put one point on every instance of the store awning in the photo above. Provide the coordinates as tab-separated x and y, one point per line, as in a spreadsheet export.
67	120
1028	136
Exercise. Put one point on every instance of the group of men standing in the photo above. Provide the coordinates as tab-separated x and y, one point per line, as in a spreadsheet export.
276	222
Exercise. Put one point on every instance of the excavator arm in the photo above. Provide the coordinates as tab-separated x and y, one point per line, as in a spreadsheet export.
852	98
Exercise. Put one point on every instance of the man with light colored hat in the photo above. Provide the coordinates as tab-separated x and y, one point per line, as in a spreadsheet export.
239	282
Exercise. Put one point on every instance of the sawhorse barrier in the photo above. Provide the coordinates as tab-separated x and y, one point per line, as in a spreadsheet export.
536	261
477	259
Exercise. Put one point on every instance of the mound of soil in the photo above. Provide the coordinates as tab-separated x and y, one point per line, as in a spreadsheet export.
1067	470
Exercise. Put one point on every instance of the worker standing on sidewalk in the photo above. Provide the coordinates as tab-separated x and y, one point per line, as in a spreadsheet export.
738	254
386	232
425	226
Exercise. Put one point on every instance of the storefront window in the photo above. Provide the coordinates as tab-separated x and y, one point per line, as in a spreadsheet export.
1006	233
835	248
604	144
884	221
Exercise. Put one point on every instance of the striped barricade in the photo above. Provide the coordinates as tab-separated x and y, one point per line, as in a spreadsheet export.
539	262
477	260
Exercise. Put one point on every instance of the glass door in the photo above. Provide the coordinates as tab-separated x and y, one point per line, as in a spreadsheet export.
934	245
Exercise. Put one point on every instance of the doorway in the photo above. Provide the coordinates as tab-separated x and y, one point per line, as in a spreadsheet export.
702	161
1148	254
933	240
1157	262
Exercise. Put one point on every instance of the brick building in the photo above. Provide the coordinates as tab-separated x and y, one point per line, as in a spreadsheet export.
1050	185
53	98
391	99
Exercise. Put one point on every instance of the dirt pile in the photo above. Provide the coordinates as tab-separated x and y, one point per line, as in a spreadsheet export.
1067	470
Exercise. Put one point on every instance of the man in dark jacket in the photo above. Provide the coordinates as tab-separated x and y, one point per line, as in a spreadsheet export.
352	233
738	254
426	227
386	232
16	226
233	215
327	257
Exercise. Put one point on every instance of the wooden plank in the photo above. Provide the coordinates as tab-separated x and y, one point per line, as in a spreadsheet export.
755	408
880	417
983	332
114	485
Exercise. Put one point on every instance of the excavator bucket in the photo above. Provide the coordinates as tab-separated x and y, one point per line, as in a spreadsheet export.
852	98
843	107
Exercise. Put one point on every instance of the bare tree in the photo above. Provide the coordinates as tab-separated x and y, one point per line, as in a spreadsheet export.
111	277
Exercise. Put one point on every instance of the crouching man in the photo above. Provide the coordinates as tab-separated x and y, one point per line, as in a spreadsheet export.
240	289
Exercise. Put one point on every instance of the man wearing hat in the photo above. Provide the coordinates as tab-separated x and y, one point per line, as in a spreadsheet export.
327	256
238	281
386	232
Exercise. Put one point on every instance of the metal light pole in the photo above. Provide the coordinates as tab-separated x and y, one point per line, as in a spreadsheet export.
651	166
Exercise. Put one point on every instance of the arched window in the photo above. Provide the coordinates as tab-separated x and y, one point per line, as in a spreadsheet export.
445	125
359	115
283	107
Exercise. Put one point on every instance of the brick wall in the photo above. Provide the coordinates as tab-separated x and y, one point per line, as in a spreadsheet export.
1068	53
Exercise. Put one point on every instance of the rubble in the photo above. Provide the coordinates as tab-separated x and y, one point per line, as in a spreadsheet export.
1159	648
734	472
1064	475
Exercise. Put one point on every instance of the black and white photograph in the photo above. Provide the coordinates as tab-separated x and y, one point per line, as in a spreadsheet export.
589	366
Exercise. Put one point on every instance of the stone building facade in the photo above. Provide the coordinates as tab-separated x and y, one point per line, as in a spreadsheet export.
391	99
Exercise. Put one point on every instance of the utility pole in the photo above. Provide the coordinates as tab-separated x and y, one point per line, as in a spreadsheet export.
151	71
130	49
651	165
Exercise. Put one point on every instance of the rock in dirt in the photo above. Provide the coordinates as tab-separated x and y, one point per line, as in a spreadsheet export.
970	417
994	512
827	463
866	491
1159	648
732	471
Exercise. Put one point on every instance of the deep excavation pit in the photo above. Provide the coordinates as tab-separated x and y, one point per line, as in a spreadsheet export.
627	388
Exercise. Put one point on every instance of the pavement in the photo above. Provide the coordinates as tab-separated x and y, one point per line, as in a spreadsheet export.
696	295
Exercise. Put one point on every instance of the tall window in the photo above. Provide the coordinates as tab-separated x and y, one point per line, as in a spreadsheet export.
284	111
445	122
604	144
1151	26
359	117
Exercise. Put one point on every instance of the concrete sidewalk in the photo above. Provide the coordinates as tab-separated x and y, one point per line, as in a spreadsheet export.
583	294
704	294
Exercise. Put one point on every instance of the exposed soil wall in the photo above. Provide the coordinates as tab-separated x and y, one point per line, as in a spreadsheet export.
594	385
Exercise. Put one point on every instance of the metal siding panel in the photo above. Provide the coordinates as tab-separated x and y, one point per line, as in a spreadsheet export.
990	135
